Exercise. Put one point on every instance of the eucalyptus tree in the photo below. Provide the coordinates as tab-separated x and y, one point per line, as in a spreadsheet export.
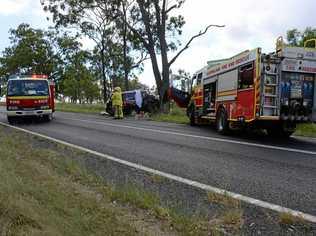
157	26
30	52
94	19
154	24
298	38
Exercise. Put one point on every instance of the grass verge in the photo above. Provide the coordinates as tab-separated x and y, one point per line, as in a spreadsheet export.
307	130
80	108
45	193
176	115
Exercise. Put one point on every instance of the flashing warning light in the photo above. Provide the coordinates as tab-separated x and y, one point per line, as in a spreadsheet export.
39	77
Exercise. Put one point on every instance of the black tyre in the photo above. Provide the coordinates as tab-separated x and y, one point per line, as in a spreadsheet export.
280	132
11	120
48	118
222	125
192	117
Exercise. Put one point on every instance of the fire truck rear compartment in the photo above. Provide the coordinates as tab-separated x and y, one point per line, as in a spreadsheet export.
297	101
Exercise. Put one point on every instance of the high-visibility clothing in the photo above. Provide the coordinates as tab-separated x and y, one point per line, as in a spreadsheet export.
117	97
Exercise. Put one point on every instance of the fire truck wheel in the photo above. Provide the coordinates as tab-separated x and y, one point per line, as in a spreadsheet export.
279	132
222	125
192	118
48	118
11	120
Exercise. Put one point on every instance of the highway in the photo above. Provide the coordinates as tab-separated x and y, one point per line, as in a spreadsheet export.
276	171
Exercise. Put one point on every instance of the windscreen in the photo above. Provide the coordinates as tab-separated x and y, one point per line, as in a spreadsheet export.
28	88
129	96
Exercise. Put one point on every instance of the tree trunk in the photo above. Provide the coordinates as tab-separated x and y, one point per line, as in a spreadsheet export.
103	76
164	96
126	69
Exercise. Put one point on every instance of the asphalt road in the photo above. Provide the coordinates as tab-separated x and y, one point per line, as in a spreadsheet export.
270	172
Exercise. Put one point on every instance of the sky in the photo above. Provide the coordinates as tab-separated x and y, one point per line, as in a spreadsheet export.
248	24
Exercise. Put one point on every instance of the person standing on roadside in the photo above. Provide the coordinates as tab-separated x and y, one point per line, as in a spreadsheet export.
117	103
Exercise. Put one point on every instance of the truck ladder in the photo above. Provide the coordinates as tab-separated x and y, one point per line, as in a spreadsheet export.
270	94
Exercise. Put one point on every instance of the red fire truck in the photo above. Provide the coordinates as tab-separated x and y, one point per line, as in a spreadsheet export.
271	91
30	96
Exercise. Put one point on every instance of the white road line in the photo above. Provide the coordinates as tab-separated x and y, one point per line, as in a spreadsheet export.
208	188
197	136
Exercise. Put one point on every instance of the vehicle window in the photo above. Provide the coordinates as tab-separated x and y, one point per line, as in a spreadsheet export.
193	81
129	96
28	88
199	79
246	76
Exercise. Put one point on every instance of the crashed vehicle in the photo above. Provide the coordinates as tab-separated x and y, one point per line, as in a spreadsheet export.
150	103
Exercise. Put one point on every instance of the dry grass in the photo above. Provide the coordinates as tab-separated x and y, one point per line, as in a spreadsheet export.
45	193
42	194
157	179
232	218
289	219
223	200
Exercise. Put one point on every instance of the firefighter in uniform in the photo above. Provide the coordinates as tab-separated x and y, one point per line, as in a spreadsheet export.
117	103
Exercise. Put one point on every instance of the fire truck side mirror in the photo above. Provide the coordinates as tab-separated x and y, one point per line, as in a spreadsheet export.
279	44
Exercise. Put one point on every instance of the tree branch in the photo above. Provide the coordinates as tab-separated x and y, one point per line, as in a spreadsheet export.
141	60
171	8
191	40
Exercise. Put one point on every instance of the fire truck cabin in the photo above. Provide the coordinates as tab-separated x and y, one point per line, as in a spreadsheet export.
30	96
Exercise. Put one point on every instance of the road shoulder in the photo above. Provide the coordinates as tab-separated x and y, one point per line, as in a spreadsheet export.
187	200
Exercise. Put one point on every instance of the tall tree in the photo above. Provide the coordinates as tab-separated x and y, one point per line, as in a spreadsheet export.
93	18
157	28
151	22
90	19
298	38
30	52
78	82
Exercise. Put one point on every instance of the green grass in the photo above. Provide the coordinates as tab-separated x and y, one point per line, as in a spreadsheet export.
45	193
176	115
80	108
307	130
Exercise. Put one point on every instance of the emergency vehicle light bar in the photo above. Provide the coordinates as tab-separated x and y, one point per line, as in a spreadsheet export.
39	76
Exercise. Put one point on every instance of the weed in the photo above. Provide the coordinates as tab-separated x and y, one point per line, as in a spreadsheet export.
80	108
308	130
223	200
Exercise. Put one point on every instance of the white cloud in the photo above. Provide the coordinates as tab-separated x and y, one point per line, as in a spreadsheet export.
12	7
249	24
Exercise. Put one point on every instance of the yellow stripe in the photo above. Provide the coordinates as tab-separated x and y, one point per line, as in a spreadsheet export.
27	97
247	121
227	93
257	82
269	118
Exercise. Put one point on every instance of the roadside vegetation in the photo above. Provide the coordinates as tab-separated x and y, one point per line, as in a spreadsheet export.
80	108
308	130
45	193
176	115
